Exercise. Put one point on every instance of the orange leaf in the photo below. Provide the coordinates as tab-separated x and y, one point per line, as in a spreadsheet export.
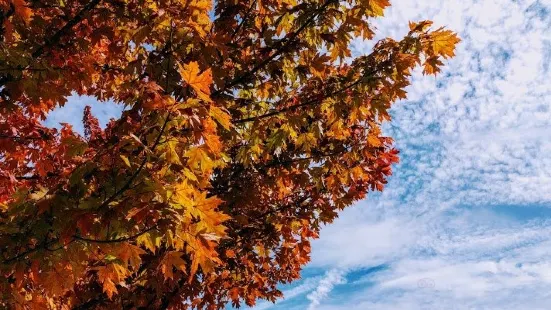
234	293
109	276
172	260
22	10
230	253
200	82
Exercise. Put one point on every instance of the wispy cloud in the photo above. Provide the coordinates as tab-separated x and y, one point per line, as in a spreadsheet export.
332	277
304	287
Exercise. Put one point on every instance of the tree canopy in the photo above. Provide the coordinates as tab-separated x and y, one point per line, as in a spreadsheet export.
247	127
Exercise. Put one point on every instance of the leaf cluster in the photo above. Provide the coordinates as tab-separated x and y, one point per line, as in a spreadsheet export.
247	127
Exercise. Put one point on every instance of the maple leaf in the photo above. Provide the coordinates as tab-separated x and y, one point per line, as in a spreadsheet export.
444	42
319	66
200	82
203	256
234	293
420	26
150	241
169	152
306	141
432	65
213	142
212	219
130	255
126	161
378	6
230	253
198	158
222	117
109	276
374	140
172	259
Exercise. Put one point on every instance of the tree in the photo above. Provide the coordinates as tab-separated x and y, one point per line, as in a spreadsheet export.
246	129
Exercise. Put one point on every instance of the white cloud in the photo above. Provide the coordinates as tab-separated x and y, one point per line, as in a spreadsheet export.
365	241
332	277
478	269
306	286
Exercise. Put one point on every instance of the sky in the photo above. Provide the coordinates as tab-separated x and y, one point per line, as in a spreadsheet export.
465	221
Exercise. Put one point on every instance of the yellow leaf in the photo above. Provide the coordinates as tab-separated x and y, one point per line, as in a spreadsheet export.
222	117
109	276
169	152
378	6
211	219
125	159
130	255
306	141
182	195
444	42
38	194
198	158
149	241
420	26
109	287
189	174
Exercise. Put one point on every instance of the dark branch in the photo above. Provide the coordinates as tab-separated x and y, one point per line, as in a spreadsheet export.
125	239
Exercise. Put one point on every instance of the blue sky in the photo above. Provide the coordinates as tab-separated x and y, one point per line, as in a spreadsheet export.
464	222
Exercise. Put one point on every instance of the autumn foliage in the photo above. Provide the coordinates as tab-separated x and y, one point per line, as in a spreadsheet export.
247	126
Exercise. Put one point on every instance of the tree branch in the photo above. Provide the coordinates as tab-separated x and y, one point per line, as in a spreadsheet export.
243	20
20	138
317	99
130	238
296	106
